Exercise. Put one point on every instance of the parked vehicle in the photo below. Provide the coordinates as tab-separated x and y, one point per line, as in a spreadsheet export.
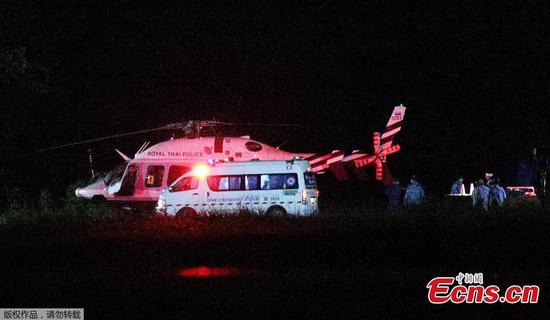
273	187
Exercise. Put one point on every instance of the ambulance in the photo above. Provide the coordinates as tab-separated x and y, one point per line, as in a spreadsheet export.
271	187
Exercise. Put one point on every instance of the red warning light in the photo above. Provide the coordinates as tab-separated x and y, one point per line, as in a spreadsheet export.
208	272
201	170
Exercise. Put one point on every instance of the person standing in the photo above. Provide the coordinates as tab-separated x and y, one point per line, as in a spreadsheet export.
414	193
489	176
480	195
457	186
497	194
394	193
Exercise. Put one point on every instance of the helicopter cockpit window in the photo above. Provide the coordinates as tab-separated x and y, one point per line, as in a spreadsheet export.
98	177
154	176
253	146
129	182
115	174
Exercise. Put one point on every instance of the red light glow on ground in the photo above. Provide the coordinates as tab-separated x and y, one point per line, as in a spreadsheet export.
208	272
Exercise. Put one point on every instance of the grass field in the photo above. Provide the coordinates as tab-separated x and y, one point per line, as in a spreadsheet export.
347	262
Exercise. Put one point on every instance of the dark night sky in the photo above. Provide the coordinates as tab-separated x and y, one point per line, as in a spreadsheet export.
474	77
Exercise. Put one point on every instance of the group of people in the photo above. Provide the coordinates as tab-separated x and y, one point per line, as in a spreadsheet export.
414	194
485	195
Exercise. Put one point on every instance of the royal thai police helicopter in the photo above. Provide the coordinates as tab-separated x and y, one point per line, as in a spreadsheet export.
153	168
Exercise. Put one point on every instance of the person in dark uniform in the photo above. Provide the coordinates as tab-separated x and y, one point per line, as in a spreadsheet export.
394	193
457	186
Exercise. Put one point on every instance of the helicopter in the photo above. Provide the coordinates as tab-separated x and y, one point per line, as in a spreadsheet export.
154	168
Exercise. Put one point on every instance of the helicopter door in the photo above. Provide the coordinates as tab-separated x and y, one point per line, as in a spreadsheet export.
128	183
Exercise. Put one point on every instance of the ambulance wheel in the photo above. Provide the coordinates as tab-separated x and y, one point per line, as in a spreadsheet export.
276	211
187	213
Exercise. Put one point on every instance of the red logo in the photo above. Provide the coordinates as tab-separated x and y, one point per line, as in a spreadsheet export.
443	289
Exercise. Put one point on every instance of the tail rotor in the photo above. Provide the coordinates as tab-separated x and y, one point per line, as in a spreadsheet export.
378	158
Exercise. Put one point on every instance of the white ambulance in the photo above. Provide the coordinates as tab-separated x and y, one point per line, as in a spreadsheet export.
271	187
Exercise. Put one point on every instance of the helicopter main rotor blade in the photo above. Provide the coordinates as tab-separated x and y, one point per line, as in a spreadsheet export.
189	125
255	124
167	127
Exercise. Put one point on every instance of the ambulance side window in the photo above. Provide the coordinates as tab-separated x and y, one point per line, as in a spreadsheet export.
154	176
264	181
235	183
213	183
252	182
279	181
290	181
185	184
275	181
224	183
175	172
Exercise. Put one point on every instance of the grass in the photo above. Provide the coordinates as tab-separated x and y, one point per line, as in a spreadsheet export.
356	260
108	221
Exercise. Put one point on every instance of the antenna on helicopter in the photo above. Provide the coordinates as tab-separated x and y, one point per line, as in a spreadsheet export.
143	147
91	162
282	144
